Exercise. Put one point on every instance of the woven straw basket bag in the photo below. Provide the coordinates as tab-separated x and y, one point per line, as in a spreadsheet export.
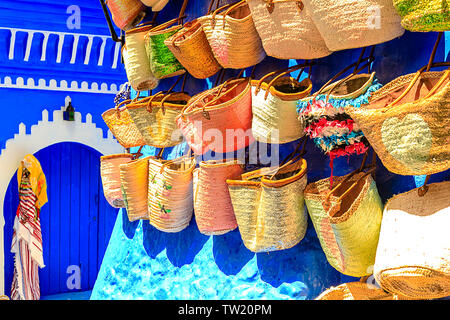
410	134
348	223
219	119
122	126
134	179
126	13
157	5
155	116
287	30
274	108
213	209
357	291
163	63
348	24
270	211
191	48
232	36
170	193
424	15
413	255
136	62
110	173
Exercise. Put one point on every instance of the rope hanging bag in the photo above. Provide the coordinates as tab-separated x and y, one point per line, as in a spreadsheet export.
287	30
110	174
424	15
126	13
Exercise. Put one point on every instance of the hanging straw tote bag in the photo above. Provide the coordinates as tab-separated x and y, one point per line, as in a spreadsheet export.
134	181
408	123
219	119
157	5
136	62
126	13
155	116
163	63
357	291
349	24
122	126
287	30
347	221
110	174
274	107
213	209
413	255
269	206
170	193
232	36
424	15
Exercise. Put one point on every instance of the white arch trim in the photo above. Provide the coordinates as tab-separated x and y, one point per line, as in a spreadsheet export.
42	135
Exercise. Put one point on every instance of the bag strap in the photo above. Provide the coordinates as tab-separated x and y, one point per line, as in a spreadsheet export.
227	12
291	158
213	16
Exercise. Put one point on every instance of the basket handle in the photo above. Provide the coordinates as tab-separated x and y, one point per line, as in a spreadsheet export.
213	17
260	81
237	4
293	157
149	106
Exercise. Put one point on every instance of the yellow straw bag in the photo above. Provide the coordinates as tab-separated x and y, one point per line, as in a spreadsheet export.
413	255
287	30
232	36
170	193
110	173
348	24
357	291
122	126
269	206
154	117
410	134
134	179
274	108
347	221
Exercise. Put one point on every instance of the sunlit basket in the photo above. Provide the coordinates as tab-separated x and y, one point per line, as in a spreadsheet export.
348	224
155	119
413	255
424	15
271	213
123	127
232	36
411	136
170	193
213	209
287	30
357	291
191	48
275	110
219	119
136	61
126	13
110	174
134	179
348	24
157	5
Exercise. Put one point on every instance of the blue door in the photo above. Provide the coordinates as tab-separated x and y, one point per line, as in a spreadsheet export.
76	222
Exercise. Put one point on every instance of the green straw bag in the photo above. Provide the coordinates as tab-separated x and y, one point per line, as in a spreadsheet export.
424	15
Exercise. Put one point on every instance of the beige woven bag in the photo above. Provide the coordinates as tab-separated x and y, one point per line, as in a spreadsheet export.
413	254
348	24
110	174
357	291
287	30
232	36
170	193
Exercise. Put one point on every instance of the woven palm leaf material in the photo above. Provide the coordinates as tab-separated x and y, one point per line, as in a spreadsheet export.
286	30
349	24
170	193
155	119
126	13
270	212
219	119
413	255
213	209
134	180
163	63
424	15
275	110
327	122
136	61
110	174
411	137
191	48
357	291
232	36
157	5
347	223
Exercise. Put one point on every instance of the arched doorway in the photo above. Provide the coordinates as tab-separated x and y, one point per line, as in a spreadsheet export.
76	222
